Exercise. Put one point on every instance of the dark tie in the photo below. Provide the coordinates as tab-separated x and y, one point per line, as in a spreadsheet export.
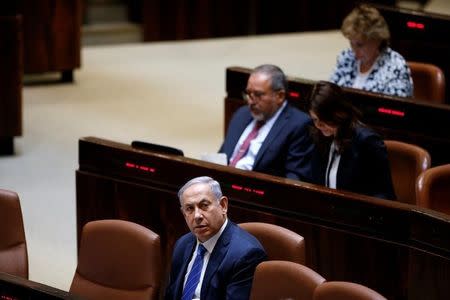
330	165
246	144
194	275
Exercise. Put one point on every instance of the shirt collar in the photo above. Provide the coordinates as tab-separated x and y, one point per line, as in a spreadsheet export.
277	113
211	243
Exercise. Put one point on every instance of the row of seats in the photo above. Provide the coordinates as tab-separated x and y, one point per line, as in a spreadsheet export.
414	181
122	260
284	275
132	268
277	279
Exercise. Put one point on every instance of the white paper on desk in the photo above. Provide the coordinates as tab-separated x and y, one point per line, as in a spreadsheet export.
217	158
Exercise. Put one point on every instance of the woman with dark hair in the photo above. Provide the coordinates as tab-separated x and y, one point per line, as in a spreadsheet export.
348	155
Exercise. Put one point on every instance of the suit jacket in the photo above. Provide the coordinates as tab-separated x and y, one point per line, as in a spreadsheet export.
363	168
287	149
230	269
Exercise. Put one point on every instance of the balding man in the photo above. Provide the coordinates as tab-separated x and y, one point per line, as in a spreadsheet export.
268	135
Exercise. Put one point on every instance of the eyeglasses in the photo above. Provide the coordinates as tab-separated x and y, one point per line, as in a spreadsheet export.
247	95
255	95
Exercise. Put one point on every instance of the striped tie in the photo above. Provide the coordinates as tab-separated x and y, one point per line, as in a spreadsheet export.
194	276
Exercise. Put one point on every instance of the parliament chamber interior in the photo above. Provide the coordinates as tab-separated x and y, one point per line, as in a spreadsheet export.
73	107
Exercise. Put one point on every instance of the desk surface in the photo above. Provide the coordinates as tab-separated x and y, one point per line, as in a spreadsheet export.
16	288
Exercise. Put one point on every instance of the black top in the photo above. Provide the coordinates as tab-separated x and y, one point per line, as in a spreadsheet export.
363	168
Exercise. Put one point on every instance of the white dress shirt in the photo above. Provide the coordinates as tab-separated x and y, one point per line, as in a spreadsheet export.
209	245
332	167
361	78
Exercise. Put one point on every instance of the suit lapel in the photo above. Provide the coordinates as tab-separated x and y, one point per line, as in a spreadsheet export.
216	258
345	169
236	134
187	254
273	133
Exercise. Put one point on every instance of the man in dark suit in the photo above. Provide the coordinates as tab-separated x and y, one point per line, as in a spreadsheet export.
217	259
268	135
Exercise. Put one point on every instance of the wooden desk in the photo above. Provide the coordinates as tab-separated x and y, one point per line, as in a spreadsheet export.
396	118
177	19
400	250
420	36
17	288
51	35
11	71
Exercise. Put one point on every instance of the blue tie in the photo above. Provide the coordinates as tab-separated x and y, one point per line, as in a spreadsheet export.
194	276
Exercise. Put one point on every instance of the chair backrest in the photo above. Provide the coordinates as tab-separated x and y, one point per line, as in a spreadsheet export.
341	290
13	246
276	279
429	82
156	148
117	260
280	243
433	189
407	163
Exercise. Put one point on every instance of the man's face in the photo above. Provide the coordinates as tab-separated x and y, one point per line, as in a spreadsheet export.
204	215
262	100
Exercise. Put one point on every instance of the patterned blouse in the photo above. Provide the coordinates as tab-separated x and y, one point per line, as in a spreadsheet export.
390	75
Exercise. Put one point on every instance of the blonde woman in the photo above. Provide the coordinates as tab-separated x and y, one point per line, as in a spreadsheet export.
369	63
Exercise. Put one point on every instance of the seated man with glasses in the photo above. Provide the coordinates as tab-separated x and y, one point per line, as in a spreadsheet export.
269	135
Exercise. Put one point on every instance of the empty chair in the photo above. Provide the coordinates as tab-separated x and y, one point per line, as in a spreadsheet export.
117	260
341	290
429	82
280	243
407	163
433	189
13	246
277	279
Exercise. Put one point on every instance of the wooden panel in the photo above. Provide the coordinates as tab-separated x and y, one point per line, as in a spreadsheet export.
10	76
11	71
391	247
52	35
178	19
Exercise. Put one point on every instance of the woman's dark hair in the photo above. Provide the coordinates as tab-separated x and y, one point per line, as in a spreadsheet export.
327	101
